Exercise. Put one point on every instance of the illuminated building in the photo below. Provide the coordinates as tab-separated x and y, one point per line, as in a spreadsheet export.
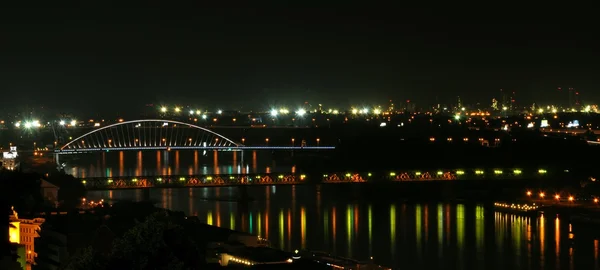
9	159
23	232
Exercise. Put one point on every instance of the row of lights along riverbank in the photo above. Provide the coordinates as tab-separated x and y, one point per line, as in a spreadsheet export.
570	198
520	207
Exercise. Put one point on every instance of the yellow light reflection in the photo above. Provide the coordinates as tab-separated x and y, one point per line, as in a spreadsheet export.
542	236
557	237
259	224
209	218
479	227
231	221
303	227
281	228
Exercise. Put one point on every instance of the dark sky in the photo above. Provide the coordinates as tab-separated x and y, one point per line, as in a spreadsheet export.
107	59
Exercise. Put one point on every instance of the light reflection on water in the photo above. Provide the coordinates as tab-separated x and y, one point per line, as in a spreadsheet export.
147	163
402	235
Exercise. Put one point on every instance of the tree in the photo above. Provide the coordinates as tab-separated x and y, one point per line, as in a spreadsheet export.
156	243
71	190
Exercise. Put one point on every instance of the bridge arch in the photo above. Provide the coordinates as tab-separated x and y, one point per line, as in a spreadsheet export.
149	134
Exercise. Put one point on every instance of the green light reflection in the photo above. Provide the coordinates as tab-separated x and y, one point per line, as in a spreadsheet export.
251	223
418	228
440	232
349	219
370	217
460	233
393	229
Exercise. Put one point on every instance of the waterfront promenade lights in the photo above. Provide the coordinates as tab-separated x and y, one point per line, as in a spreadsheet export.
267	141
354	111
163	109
595	200
318	141
571	198
542	195
301	112
529	193
243	140
219	112
457	117
62	122
73	123
191	112
293	140
204	116
177	109
377	111
557	197
273	113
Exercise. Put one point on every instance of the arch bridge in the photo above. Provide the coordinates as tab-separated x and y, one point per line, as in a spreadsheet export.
160	134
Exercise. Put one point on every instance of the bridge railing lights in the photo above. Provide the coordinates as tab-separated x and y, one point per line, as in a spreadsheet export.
479	172
542	171
497	171
517	171
392	174
460	172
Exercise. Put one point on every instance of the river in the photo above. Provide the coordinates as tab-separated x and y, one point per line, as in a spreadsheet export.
395	233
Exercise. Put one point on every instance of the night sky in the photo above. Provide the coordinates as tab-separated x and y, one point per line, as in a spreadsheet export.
111	59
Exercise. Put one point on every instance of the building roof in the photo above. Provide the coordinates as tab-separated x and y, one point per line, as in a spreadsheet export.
46	184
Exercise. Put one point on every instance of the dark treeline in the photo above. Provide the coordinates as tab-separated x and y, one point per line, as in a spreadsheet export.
396	149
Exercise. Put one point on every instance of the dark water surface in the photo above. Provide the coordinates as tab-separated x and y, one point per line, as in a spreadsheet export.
400	235
397	234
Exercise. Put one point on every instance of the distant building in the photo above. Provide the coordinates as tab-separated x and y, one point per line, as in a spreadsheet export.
49	191
9	159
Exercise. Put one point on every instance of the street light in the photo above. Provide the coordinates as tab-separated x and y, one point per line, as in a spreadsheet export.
301	112
529	193
542	195
273	112
293	141
62	122
318	141
557	197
